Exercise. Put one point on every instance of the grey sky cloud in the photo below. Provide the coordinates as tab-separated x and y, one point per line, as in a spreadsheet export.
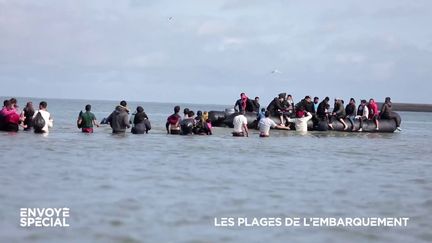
210	51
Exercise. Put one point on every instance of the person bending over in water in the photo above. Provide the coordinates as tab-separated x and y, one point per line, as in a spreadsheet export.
87	120
387	113
373	112
240	125
266	123
172	124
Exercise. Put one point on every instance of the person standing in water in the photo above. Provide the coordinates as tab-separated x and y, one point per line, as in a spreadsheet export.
240	125
140	121
46	116
266	123
172	124
86	120
27	116
118	119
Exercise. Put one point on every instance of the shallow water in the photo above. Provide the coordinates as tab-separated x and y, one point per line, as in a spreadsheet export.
164	188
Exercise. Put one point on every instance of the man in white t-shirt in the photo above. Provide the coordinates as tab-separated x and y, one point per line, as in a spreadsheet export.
240	125
266	123
45	115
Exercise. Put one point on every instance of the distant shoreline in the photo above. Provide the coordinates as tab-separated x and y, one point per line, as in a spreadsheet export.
410	107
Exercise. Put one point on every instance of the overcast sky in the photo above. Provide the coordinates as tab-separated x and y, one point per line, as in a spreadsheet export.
208	51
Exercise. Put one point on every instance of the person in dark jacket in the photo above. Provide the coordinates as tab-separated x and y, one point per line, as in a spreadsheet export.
322	110
28	113
244	104
387	113
306	104
256	104
351	112
276	107
118	119
338	113
141	123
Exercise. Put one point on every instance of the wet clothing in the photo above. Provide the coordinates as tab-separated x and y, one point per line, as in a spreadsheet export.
186	126
48	120
141	123
264	126
28	118
301	124
118	119
239	121
87	119
173	122
9	120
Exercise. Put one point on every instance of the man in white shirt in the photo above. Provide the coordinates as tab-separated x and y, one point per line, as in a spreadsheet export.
45	115
266	123
240	125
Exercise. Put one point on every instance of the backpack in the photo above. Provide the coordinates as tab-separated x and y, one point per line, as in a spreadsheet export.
79	125
38	122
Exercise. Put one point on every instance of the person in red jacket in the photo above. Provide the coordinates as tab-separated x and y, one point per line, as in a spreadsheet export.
373	112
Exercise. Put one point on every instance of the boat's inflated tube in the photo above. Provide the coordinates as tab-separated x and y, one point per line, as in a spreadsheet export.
385	125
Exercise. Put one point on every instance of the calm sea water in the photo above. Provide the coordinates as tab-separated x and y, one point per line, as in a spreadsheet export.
164	188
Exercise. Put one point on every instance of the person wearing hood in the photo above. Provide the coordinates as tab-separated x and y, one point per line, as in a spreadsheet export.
338	113
276	107
118	119
351	112
244	104
323	111
373	113
387	113
140	121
